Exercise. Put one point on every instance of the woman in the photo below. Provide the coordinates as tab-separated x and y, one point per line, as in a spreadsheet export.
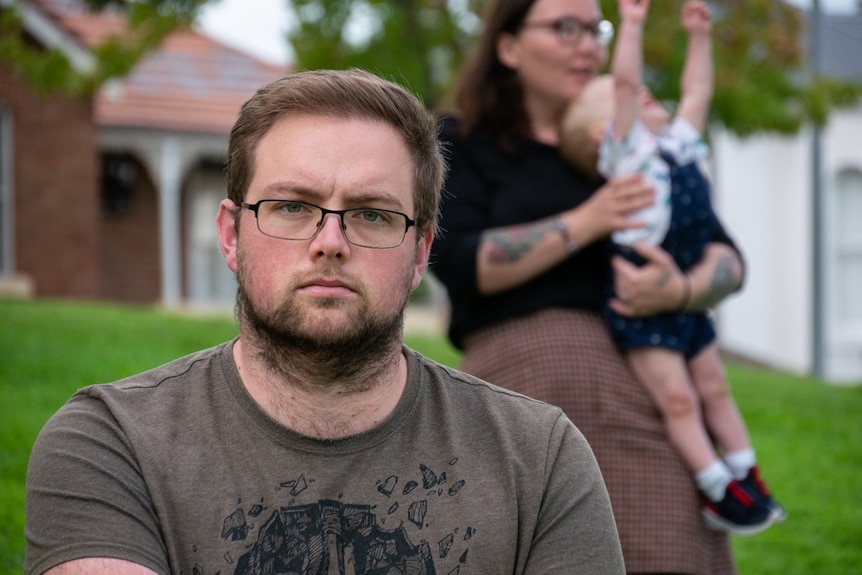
525	258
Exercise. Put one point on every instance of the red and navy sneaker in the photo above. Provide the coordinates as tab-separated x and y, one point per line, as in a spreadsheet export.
739	512
757	487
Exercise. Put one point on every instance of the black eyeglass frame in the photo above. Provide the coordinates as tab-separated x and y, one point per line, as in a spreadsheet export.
408	222
602	30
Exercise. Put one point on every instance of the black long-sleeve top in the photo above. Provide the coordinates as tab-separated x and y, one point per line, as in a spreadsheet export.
486	189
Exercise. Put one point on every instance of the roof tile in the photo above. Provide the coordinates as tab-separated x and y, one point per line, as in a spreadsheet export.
191	83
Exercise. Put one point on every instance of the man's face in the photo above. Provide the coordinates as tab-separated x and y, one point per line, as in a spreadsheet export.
324	289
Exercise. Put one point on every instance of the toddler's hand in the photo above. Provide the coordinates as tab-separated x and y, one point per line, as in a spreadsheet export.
633	10
695	17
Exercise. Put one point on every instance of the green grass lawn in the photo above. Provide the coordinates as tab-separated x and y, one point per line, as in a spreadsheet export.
808	435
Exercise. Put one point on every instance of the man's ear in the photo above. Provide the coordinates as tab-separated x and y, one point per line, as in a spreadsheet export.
423	253
227	232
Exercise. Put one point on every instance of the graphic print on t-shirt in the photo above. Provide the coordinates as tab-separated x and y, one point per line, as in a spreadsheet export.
335	537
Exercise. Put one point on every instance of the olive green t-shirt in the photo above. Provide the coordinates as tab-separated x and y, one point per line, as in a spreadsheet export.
179	470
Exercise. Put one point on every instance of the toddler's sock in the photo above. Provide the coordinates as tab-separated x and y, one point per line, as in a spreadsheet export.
740	462
713	480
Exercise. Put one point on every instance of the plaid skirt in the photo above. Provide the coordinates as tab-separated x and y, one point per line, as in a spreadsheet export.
566	358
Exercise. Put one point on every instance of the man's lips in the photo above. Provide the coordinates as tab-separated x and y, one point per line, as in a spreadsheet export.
324	287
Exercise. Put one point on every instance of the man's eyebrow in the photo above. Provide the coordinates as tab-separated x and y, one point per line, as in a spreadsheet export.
361	198
285	188
375	198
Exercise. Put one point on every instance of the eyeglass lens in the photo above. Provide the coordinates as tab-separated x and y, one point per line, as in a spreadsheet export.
571	29
365	227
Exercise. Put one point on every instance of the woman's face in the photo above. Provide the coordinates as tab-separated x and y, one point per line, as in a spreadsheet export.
553	54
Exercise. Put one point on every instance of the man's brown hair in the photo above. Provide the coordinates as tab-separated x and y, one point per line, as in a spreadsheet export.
342	94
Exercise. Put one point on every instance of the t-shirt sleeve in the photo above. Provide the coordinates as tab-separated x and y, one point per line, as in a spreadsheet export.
85	494
575	528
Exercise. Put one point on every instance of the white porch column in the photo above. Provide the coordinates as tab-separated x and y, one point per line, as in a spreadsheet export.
169	221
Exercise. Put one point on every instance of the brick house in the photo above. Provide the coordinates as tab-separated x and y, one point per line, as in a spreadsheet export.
114	197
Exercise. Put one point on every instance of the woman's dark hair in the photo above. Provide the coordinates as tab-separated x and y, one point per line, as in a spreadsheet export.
488	94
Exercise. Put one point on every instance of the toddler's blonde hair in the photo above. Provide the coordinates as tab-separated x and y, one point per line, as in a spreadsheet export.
584	123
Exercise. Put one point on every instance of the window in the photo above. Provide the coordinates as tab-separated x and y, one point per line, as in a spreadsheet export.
119	173
848	243
210	281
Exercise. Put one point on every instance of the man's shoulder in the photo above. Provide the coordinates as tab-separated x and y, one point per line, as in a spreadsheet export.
150	402
172	382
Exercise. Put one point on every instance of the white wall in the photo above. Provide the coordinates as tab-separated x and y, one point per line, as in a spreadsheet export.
762	195
842	151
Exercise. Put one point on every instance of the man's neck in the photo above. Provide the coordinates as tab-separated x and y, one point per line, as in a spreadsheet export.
312	404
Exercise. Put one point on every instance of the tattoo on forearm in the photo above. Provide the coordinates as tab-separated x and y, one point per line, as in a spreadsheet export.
508	245
663	279
722	282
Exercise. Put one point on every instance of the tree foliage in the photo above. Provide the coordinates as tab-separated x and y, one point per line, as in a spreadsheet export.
761	84
418	43
761	79
48	69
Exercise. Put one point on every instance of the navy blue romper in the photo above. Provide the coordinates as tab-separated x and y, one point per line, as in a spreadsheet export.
691	227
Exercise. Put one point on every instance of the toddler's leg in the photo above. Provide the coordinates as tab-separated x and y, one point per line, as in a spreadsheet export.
665	375
726	424
728	506
720	414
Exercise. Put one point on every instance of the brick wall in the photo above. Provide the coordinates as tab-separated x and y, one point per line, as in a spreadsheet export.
55	188
130	250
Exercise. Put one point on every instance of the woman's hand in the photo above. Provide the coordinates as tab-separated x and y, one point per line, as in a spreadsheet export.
659	286
608	208
510	256
656	287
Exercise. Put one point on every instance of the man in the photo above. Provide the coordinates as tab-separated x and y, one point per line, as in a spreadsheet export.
315	442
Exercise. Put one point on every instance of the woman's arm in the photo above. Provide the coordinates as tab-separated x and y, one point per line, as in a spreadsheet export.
659	286
511	256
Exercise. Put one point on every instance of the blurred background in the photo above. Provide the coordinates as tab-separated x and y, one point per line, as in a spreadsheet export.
115	114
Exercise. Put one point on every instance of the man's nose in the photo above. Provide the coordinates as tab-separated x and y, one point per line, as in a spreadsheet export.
330	231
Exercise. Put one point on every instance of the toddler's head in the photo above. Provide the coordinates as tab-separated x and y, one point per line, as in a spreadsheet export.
587	118
584	124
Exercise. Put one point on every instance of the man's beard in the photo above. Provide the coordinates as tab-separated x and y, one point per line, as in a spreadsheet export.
289	343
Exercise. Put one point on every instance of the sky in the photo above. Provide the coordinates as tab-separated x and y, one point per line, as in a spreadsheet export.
259	27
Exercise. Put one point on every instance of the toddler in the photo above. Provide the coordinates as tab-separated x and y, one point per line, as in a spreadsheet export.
616	127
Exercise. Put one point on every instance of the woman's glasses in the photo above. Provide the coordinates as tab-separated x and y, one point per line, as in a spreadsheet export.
570	29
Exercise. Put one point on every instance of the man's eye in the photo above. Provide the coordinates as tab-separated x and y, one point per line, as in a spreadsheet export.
289	207
371	216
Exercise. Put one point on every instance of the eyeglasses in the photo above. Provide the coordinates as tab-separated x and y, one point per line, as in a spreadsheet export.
364	227
570	29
